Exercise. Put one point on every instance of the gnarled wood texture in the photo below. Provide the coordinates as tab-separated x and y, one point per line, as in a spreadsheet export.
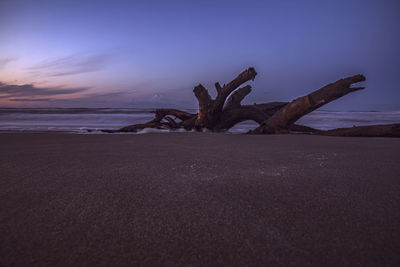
301	106
226	110
210	110
386	130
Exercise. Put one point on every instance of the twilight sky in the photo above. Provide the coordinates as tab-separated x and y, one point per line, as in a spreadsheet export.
152	53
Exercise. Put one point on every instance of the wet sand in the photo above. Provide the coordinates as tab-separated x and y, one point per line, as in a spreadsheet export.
198	200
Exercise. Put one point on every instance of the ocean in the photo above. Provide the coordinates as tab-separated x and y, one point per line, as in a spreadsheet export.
79	120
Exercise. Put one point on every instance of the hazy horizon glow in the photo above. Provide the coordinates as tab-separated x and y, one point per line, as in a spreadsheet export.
152	53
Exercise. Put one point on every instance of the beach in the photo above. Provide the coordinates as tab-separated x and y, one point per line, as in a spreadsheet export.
198	199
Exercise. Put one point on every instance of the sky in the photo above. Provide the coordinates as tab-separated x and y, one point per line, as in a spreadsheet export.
152	53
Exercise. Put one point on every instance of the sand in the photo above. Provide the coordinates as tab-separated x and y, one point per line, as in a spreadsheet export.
198	200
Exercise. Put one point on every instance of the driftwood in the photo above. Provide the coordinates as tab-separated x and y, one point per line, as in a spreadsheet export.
163	120
226	110
301	106
387	130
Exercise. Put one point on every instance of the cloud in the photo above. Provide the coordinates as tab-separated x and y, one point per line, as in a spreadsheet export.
72	64
30	91
35	95
5	61
30	99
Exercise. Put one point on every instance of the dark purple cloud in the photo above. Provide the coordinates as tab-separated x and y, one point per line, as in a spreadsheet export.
29	90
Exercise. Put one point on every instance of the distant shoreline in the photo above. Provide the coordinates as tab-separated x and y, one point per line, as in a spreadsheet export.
80	120
154	108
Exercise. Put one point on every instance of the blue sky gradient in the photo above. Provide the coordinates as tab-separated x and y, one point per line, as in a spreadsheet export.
152	53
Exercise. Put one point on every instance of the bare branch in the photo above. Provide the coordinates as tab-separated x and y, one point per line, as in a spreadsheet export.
171	122
237	97
204	99
387	130
182	115
306	104
218	87
243	77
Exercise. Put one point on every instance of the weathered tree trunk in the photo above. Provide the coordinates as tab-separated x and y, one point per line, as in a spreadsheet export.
226	110
234	114
210	110
387	130
296	109
182	115
162	120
